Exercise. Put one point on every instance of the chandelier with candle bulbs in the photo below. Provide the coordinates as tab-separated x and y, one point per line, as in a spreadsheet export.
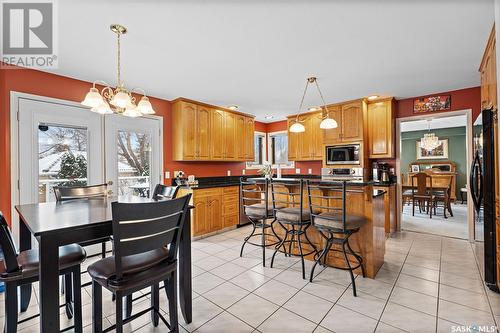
326	123
429	141
118	100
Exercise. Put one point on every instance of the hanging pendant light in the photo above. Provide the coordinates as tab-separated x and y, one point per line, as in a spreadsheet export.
429	141
119	100
326	123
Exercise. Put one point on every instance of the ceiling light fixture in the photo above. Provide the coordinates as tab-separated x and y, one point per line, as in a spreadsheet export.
233	107
119	100
373	97
269	116
429	141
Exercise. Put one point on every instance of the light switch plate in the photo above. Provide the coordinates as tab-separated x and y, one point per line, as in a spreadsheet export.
243	172
167	174
310	171
229	172
297	171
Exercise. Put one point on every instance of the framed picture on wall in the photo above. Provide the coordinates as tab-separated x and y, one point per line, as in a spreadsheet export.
440	152
415	168
432	103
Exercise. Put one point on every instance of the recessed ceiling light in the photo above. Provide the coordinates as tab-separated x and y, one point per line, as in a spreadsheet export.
233	107
269	116
372	97
314	108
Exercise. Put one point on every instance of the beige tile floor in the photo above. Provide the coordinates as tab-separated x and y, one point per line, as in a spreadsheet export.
427	284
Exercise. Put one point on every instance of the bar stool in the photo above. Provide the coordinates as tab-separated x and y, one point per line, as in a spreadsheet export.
293	218
254	197
17	269
333	223
146	240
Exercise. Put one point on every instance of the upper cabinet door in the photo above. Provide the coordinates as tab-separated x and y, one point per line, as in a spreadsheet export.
381	129
489	74
317	137
332	136
188	118
229	136
203	133
305	149
352	122
249	138
293	142
240	138
217	131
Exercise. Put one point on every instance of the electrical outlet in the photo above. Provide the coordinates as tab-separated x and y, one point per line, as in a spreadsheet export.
310	171
297	171
229	172
167	174
243	172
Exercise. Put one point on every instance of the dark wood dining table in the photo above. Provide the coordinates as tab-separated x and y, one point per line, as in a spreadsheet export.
55	224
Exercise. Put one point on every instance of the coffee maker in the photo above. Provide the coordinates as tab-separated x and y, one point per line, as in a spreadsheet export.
381	172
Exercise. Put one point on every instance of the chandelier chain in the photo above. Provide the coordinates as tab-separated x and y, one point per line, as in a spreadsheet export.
302	100
118	62
322	98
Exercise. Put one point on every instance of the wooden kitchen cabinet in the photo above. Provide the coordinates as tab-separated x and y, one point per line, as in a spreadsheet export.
380	122
488	71
215	208
349	118
308	145
205	133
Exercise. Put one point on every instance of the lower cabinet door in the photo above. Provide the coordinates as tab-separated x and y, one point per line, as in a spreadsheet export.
215	213
200	214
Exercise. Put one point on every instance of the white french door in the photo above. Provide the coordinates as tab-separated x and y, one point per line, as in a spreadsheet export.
132	153
58	145
56	142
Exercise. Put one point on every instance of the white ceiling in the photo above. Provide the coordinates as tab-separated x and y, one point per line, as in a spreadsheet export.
257	54
442	122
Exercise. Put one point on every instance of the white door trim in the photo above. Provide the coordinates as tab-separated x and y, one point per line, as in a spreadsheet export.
469	153
15	96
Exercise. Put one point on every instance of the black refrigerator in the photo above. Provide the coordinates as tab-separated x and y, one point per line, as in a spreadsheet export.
482	187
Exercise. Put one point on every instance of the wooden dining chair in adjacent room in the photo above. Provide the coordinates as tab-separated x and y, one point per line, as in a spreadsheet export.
146	239
17	269
442	196
422	193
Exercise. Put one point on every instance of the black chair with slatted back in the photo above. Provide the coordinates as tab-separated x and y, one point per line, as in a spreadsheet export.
163	192
254	199
287	197
146	240
66	193
327	205
20	269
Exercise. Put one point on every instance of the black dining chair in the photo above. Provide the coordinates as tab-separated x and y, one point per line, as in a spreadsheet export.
254	198
327	204
17	269
293	217
146	240
66	193
164	192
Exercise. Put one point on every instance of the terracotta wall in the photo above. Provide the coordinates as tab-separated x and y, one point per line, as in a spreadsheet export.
56	86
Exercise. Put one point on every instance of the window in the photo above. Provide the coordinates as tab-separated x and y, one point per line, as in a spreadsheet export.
278	150
259	148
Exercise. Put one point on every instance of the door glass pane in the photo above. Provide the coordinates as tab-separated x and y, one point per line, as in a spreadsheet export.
134	161
62	158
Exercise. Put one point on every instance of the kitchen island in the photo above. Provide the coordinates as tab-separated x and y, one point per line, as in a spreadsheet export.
369	242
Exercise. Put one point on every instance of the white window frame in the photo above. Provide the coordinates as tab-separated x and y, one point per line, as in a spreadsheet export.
264	152
290	164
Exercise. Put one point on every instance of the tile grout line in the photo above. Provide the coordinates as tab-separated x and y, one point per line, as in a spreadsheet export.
439	284
393	286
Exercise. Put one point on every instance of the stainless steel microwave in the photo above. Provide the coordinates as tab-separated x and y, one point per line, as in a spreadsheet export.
342	154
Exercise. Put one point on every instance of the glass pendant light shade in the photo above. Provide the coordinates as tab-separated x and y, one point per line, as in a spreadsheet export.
93	98
131	111
121	99
144	106
297	128
328	123
102	108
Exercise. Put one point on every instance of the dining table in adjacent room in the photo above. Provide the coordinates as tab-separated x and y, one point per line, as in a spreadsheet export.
55	224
